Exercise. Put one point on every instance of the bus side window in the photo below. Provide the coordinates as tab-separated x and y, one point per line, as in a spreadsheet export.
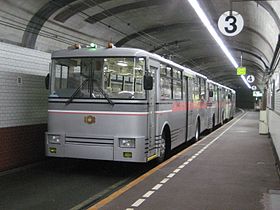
196	89
223	94
177	84
202	88
210	91
215	93
61	76
165	82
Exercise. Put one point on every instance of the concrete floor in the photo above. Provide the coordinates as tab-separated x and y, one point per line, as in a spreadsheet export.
233	168
64	183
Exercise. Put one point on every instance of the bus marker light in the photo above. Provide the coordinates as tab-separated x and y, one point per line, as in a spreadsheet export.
52	150
110	45
127	154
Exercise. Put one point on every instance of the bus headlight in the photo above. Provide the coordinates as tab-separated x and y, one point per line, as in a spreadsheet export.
54	139
127	142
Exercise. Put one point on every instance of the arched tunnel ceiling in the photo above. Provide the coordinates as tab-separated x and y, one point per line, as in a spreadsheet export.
166	27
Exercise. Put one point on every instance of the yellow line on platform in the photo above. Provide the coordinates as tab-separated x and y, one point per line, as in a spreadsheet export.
116	194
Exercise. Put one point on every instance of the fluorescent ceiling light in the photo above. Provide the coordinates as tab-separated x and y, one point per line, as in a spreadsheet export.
122	64
246	82
201	14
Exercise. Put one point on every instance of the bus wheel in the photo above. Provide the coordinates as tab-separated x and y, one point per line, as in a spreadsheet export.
222	121
163	148
197	131
213	123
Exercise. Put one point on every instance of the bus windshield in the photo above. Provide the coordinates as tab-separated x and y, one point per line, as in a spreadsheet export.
115	78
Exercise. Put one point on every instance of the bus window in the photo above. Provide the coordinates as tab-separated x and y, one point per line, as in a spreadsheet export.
196	89
123	77
229	96
210	89
61	76
177	84
118	78
165	82
215	97
66	77
223	93
202	88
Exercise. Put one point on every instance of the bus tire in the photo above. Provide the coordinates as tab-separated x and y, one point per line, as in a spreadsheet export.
164	146
223	119
213	123
197	131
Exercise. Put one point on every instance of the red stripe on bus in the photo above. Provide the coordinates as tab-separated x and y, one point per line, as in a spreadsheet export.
119	114
182	106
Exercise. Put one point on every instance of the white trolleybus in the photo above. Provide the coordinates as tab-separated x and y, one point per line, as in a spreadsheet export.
123	104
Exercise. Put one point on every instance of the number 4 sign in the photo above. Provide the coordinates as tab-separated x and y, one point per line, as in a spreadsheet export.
250	78
231	23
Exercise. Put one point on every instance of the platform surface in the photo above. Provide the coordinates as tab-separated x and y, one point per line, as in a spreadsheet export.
232	168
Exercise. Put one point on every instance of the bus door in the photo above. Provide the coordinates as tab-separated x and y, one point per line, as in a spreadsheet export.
230	103
188	111
219	104
222	105
152	96
191	114
227	104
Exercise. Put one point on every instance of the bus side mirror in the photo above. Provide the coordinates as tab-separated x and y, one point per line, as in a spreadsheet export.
47	81
211	94
148	82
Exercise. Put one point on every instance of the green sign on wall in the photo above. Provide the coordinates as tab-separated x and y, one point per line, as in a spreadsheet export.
241	71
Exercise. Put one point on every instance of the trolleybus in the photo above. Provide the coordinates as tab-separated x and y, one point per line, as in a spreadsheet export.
124	104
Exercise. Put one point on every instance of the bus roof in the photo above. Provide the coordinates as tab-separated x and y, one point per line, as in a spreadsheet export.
219	85
100	52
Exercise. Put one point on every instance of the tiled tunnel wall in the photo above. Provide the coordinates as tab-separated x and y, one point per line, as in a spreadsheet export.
23	105
274	110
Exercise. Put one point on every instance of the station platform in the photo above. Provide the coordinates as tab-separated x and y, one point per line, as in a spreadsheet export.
232	168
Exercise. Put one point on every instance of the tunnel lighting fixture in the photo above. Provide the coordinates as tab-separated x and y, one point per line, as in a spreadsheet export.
201	14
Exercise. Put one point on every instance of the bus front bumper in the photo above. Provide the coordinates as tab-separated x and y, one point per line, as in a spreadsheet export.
119	148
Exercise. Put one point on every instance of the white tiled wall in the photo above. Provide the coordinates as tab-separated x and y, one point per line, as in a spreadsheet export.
274	125
274	116
25	103
277	94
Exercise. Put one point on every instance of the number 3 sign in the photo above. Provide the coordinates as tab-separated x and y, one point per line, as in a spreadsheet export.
231	23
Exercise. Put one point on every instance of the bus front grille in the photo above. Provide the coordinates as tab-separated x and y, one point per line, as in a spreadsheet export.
89	141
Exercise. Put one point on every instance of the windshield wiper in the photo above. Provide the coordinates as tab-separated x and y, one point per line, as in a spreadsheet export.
76	92
82	85
104	93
